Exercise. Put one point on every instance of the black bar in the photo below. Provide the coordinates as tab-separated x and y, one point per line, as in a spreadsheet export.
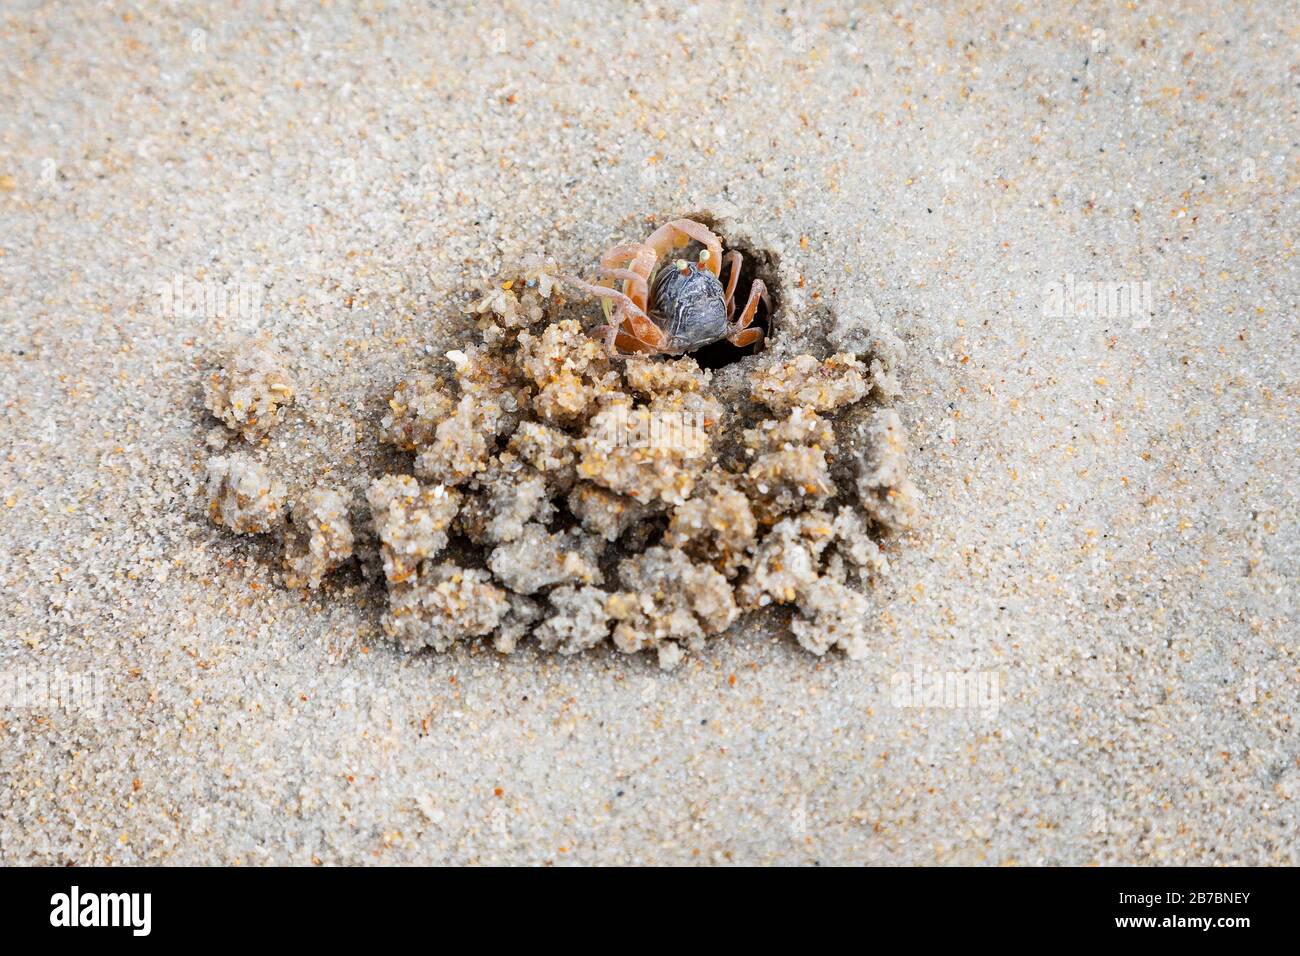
340	906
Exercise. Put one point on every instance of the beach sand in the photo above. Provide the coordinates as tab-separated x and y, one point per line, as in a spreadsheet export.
1104	586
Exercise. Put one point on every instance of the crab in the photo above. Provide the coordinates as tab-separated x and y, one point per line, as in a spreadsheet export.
675	307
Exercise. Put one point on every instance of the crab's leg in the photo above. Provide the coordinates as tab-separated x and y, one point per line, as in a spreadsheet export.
605	292
734	258
640	329
621	254
739	333
757	291
635	284
627	313
619	342
611	336
640	259
644	265
675	234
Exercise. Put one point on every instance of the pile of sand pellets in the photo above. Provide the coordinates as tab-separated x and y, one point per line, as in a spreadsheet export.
560	495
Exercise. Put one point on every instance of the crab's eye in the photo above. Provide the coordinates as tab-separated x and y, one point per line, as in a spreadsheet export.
704	256
681	265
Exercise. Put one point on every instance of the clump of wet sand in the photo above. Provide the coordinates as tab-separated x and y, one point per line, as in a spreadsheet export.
558	494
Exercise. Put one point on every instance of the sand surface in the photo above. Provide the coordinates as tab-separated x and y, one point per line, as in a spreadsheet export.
1111	545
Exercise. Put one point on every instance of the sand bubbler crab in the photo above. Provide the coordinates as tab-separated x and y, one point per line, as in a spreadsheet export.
659	307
